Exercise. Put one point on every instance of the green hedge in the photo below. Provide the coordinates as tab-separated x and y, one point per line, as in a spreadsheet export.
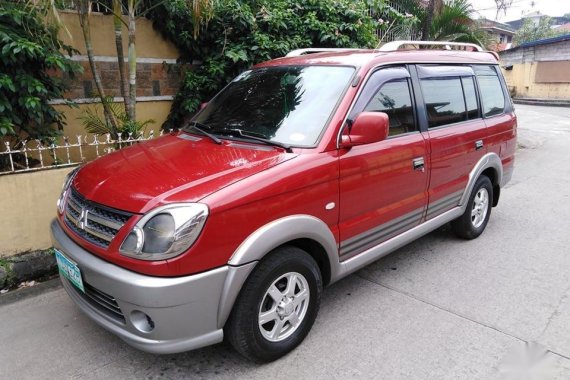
243	33
30	52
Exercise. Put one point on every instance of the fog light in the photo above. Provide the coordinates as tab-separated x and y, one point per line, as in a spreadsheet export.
141	321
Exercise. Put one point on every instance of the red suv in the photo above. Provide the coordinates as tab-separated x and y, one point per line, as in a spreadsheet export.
301	171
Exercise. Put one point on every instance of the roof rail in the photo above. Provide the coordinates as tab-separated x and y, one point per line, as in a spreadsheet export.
395	45
298	52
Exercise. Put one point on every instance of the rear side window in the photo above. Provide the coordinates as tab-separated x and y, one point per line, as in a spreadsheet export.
394	99
450	100
492	96
470	98
444	101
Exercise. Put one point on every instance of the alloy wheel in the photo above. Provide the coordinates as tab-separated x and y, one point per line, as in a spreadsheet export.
284	306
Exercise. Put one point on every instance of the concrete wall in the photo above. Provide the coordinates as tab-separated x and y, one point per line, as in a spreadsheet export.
28	200
521	83
525	61
150	44
28	204
158	74
556	51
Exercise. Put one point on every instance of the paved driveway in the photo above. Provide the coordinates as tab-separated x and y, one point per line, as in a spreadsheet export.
438	308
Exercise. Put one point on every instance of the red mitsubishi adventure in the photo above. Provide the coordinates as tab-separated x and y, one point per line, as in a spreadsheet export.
301	171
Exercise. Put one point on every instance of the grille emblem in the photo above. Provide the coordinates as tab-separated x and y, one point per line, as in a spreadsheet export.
83	218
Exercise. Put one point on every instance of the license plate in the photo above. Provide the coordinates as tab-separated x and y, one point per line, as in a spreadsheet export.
69	270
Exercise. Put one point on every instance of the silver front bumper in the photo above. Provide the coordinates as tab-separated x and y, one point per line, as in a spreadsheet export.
187	312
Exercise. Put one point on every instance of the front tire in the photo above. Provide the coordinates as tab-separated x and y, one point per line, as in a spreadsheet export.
476	216
277	306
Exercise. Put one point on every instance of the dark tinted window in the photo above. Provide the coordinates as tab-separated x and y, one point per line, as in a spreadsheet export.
492	97
484	70
394	99
470	98
444	101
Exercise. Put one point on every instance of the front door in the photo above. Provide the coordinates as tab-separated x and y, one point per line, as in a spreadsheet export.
383	185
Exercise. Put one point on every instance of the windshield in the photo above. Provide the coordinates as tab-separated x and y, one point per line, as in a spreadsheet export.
285	104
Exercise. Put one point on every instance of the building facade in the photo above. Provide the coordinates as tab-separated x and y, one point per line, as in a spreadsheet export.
539	69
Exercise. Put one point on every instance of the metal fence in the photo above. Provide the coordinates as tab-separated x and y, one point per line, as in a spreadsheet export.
34	155
403	32
397	32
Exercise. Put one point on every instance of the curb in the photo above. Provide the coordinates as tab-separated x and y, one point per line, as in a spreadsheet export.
543	102
20	294
26	266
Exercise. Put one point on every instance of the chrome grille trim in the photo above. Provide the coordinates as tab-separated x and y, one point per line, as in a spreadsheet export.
108	223
74	206
93	222
71	218
99	234
102	302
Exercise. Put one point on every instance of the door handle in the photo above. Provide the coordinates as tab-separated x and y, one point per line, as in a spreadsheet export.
478	144
418	164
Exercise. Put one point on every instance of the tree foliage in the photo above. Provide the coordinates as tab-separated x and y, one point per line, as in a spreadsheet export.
530	31
29	50
243	33
454	23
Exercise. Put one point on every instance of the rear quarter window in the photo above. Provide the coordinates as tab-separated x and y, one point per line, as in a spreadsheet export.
492	96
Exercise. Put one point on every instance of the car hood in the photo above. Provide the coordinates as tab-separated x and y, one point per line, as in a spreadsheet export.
174	168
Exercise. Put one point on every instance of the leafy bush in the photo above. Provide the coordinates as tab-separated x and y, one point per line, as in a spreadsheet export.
95	123
29	50
243	33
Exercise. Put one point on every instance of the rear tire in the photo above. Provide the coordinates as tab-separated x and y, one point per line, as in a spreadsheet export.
476	216
277	306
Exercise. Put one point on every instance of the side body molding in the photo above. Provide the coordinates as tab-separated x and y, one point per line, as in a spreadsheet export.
281	231
490	160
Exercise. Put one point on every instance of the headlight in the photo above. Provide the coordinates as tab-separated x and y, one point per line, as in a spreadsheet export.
66	186
165	232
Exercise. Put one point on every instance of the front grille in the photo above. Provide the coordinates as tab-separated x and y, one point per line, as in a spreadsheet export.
103	302
94	223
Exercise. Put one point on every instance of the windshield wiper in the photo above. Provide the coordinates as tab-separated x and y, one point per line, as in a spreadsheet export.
239	133
199	127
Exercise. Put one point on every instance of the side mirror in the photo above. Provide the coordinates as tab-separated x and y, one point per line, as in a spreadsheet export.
367	128
203	105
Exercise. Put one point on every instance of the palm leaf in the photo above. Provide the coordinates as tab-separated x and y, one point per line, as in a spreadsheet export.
94	123
454	23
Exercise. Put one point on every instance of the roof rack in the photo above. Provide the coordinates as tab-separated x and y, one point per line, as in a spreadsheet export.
395	45
298	52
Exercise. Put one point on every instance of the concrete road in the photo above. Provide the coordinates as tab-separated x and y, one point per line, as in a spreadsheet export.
439	308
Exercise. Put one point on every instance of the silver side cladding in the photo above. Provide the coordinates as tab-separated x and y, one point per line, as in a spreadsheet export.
489	160
284	230
507	175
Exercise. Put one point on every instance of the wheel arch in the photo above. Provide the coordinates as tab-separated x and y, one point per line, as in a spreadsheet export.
491	166
491	173
306	232
318	253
